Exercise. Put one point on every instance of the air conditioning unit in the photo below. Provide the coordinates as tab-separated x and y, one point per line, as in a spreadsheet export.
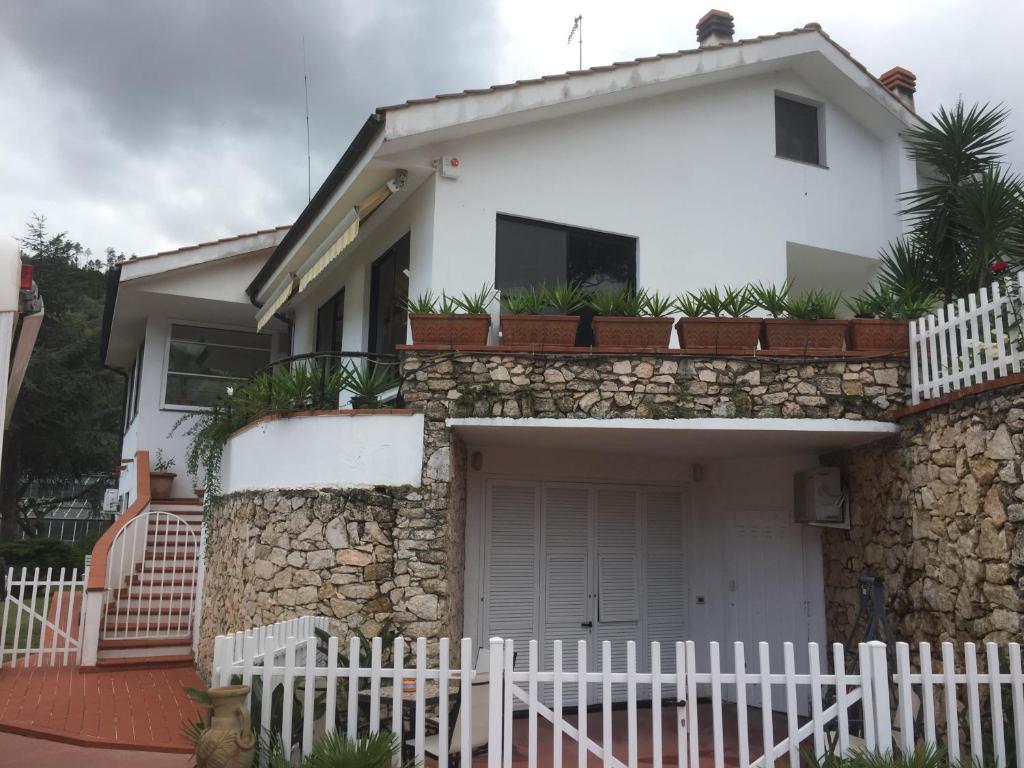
110	501
820	499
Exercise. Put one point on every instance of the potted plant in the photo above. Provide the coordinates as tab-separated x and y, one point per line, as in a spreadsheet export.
368	382
527	323
806	323
881	316
439	321
160	476
704	327
627	318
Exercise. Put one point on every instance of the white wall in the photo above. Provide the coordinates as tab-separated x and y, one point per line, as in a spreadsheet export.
325	450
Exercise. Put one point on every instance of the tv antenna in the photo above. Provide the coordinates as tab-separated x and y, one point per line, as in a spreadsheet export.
577	26
305	86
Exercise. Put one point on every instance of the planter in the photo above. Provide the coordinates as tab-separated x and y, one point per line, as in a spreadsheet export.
815	336
718	332
229	741
449	329
160	484
559	330
869	334
636	332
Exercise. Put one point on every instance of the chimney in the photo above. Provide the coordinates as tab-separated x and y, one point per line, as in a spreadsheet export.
902	82
714	28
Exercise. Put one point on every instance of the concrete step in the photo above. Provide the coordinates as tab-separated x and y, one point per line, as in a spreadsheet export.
145	648
126	663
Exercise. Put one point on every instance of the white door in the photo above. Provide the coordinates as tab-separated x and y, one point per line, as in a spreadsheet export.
576	561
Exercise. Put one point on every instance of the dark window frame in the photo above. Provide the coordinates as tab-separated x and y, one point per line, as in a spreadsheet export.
395	250
781	152
337	305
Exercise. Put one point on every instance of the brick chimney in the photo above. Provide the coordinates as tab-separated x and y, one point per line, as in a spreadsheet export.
715	28
901	82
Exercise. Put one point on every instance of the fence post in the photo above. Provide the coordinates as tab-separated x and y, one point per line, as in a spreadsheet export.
881	713
495	725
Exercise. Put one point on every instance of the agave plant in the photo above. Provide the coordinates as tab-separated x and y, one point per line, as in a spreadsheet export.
525	301
476	303
814	305
737	302
367	382
656	305
565	298
616	302
772	298
690	305
423	304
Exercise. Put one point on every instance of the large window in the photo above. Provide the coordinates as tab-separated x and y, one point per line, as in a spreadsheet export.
797	131
531	253
134	386
203	362
330	321
389	289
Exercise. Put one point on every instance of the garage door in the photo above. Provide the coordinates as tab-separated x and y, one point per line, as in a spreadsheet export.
572	561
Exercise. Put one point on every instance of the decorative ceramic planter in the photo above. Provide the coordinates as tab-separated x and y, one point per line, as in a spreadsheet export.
636	332
229	741
160	484
818	337
869	334
449	329
555	330
718	332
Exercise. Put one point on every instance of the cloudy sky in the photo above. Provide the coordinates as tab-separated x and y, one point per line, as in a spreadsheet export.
145	125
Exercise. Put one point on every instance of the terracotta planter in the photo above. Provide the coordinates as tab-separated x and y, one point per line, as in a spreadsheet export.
558	330
869	334
637	332
160	484
813	336
229	741
449	329
718	332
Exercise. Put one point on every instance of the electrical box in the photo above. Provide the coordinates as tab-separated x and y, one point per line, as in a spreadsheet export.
110	501
448	167
820	499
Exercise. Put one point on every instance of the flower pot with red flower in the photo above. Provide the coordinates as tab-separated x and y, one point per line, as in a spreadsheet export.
541	316
451	321
624	317
716	320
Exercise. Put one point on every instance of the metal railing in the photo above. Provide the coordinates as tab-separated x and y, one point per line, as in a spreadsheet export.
339	379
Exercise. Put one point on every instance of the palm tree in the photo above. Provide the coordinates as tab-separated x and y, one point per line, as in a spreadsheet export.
969	211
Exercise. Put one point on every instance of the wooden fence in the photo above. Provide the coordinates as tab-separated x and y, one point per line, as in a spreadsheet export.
974	340
506	704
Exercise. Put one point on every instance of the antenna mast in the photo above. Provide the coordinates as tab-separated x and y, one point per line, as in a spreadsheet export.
305	86
577	26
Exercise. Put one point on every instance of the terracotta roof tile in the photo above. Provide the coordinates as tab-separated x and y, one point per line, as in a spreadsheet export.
209	242
812	27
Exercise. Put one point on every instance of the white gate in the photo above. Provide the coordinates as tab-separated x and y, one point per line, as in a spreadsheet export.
152	570
42	617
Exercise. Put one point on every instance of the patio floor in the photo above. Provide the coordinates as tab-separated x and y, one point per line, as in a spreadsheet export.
124	709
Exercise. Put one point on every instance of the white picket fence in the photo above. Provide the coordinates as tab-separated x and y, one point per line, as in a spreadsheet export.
974	340
953	702
42	617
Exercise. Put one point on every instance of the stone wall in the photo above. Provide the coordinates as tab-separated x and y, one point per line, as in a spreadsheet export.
937	512
651	386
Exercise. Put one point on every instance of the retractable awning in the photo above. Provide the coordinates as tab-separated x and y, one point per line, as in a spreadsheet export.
276	301
312	268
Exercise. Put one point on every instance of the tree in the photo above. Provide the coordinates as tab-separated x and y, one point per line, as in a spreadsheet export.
969	211
66	421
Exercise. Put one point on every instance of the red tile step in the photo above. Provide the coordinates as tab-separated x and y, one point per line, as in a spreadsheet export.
140	662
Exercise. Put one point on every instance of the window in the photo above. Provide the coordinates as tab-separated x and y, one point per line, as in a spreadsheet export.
531	253
133	386
389	289
797	131
330	322
203	362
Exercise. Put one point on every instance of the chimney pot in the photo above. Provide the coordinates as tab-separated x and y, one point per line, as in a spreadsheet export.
903	83
715	28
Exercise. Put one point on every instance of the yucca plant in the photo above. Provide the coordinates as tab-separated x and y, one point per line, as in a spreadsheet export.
476	303
423	304
773	299
616	302
525	301
737	302
368	381
565	298
653	304
814	305
691	305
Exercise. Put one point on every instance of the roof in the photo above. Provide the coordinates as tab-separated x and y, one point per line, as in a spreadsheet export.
812	27
376	122
211	242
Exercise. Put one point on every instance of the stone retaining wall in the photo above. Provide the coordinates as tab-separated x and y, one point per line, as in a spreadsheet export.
938	512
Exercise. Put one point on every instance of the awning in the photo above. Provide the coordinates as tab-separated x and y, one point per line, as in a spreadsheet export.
278	300
312	268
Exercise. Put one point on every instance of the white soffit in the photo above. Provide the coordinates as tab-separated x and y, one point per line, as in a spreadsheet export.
701	438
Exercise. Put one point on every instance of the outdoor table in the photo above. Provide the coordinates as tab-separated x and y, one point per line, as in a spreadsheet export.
431	697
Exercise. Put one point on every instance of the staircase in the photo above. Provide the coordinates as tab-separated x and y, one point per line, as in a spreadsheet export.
149	618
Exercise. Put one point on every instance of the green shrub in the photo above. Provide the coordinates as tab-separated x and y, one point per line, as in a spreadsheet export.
42	553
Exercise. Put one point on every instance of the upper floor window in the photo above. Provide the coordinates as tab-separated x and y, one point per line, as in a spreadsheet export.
798	130
531	253
389	290
134	386
330	321
203	362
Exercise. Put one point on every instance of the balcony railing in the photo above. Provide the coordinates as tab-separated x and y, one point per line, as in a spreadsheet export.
327	380
977	339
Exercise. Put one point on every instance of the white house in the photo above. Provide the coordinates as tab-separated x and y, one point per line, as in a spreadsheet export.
554	495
